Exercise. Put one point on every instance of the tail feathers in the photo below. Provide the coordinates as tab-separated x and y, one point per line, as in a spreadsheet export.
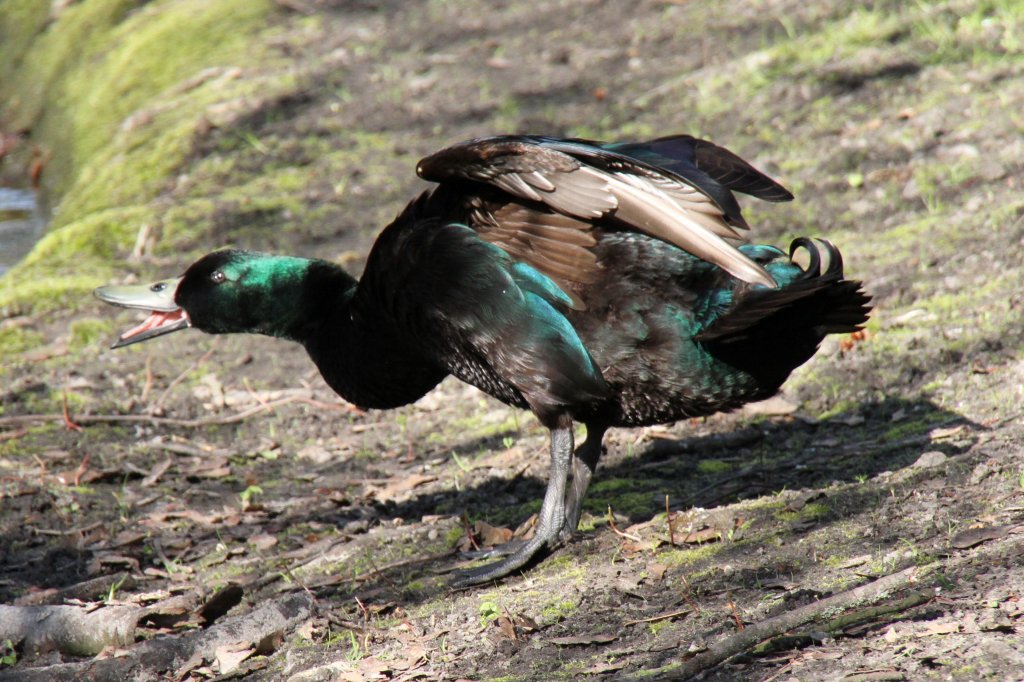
770	332
813	298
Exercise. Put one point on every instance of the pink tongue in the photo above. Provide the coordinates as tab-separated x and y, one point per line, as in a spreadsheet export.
156	319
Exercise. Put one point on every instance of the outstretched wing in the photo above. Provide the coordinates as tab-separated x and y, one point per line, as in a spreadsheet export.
677	189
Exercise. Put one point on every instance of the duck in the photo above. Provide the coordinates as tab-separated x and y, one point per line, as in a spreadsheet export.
605	284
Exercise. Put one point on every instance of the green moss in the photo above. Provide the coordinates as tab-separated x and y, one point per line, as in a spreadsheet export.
558	611
687	556
841	407
566	567
88	332
658	626
15	340
131	58
810	511
713	466
70	262
20	22
914	427
454	535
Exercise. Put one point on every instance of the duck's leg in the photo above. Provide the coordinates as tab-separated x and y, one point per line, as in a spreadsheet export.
583	466
552	514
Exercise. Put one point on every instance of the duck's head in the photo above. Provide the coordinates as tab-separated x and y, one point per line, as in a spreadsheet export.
223	292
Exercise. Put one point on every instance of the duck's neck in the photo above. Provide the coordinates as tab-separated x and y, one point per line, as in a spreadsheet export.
360	355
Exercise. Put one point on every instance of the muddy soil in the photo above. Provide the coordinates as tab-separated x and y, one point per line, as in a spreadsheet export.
203	478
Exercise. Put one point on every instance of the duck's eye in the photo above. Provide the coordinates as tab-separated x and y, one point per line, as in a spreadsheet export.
217	277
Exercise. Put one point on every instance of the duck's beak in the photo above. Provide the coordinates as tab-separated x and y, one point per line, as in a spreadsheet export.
165	316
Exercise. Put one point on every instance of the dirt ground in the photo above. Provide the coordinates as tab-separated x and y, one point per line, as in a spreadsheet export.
215	487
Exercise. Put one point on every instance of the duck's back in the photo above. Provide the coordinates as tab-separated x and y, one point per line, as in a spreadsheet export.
600	281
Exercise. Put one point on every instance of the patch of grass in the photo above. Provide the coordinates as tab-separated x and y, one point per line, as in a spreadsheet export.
88	332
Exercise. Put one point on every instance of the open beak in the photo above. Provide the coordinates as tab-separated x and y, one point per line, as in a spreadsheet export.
158	298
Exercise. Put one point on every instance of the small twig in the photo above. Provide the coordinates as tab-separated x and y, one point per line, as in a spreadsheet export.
83	466
780	672
148	387
659	617
255	396
294	578
153	419
621	534
373	565
736	615
69	424
366	622
668	522
469	531
688	595
66	531
347	407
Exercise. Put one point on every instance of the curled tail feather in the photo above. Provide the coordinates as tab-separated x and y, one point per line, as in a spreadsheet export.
770	332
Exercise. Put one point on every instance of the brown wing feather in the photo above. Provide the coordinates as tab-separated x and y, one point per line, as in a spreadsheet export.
555	244
529	171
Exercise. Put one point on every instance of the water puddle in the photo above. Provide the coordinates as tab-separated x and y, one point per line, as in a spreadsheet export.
21	225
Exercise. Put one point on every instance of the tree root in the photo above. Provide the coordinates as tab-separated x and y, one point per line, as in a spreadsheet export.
165	656
829	608
71	630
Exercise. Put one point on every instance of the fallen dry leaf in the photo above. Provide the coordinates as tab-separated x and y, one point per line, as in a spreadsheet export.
399	485
656	571
507	629
976	536
491	536
855	561
938	629
230	656
126	537
936	434
262	541
155	473
526	623
698	537
605	667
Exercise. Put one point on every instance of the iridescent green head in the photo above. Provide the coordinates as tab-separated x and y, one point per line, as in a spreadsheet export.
223	292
